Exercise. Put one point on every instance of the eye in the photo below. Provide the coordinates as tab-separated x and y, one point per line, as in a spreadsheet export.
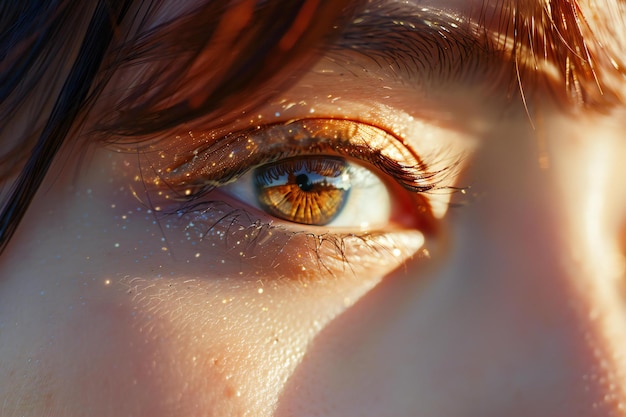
339	174
296	199
316	191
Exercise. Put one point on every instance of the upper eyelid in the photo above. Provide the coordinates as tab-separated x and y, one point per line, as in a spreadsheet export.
220	161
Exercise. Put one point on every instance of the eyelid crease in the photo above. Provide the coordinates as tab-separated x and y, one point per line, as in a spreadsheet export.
221	161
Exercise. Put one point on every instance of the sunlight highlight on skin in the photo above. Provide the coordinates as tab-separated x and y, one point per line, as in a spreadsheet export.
140	284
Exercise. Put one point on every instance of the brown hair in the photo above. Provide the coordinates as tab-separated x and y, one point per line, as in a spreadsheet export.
573	48
58	59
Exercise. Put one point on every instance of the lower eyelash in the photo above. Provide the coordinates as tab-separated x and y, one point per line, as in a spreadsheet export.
264	248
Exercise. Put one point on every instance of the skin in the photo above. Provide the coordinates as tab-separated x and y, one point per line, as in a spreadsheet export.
511	306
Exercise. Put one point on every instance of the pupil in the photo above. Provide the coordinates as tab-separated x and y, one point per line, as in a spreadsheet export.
303	182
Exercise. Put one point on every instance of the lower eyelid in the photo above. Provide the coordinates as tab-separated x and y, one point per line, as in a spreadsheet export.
246	246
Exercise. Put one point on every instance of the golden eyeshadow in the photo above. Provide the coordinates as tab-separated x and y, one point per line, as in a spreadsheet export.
308	190
213	162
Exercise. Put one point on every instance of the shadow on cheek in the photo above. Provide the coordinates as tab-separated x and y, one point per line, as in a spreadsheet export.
347	370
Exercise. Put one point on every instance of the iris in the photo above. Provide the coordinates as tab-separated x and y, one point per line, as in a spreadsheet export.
308	190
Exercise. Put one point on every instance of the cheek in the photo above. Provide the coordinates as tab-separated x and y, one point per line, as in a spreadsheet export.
156	348
99	319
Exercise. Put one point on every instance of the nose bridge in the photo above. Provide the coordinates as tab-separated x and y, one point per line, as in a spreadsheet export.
570	259
588	173
551	254
547	270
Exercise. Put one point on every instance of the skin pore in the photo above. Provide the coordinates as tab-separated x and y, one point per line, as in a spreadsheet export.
135	287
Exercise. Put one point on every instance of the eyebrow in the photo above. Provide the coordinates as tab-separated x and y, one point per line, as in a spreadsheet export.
531	46
428	45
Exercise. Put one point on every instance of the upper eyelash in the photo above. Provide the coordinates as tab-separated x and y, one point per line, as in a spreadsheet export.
415	179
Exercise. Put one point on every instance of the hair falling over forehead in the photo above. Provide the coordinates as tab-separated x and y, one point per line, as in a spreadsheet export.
203	61
200	61
573	48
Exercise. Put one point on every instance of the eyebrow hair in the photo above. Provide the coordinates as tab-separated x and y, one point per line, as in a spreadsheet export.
429	45
527	46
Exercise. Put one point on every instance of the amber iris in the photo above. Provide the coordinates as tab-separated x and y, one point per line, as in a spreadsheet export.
308	190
